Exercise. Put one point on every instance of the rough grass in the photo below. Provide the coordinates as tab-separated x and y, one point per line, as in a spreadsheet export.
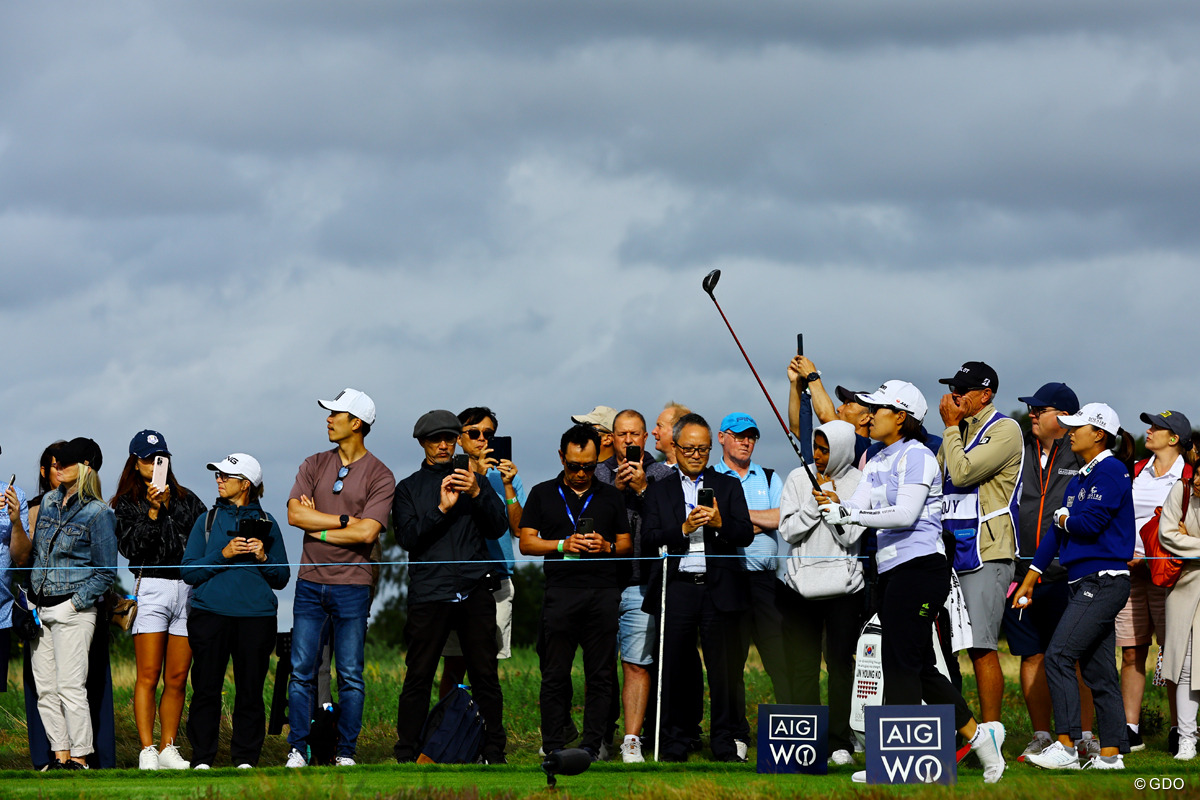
700	779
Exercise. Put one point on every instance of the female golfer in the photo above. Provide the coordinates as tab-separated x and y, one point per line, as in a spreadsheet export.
1093	540
900	496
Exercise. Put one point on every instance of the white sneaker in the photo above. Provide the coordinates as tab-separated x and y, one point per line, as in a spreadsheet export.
841	758
202	766
859	777
1187	749
1036	745
148	758
245	766
1055	757
742	748
169	758
344	761
987	744
631	750
1100	762
295	759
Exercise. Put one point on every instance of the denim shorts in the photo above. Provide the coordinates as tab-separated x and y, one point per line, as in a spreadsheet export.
162	607
637	637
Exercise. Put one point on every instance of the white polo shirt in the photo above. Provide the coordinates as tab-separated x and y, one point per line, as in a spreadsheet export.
1150	492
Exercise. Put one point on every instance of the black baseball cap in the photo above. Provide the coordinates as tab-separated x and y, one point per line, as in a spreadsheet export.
974	375
1058	396
848	395
80	450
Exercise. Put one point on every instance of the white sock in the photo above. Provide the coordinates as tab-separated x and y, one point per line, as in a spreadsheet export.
1132	727
1043	734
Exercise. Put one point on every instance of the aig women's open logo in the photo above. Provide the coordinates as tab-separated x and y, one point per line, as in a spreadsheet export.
911	744
793	739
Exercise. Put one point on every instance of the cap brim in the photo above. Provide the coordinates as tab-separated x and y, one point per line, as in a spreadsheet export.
1073	421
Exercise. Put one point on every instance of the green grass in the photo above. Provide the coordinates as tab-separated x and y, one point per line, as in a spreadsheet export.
378	777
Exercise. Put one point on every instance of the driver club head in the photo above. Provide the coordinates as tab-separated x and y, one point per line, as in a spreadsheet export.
710	281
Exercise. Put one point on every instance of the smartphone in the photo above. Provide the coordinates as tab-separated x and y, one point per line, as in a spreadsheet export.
254	529
586	525
11	481
706	497
799	344
159	478
462	461
633	453
501	448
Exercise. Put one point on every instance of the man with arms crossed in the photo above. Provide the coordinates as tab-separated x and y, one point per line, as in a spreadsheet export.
340	500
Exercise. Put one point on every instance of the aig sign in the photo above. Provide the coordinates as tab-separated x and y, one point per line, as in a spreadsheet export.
793	739
911	744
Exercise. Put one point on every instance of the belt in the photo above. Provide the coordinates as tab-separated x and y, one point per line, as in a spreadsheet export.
691	577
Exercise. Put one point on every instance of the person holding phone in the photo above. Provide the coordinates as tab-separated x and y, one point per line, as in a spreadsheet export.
15	515
444	515
491	457
702	518
900	496
578	525
74	558
154	520
235	562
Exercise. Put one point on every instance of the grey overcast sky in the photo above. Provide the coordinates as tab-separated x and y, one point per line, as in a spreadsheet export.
211	214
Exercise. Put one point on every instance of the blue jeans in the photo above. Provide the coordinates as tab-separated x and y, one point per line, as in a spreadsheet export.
346	607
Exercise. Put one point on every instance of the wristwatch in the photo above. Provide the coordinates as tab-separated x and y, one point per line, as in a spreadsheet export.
344	519
812	376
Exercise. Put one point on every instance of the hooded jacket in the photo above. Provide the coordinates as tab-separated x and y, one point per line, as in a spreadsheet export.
238	586
823	559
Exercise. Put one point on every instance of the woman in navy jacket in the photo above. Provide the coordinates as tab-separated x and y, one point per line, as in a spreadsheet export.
1093	540
233	610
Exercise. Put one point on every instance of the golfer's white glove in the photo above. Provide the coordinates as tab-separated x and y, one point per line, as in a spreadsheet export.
1062	512
836	513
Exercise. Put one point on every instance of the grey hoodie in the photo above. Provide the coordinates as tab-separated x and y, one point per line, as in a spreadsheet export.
823	559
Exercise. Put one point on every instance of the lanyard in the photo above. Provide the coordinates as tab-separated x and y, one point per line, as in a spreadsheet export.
570	516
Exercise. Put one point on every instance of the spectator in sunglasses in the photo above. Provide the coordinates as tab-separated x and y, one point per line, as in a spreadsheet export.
444	516
340	500
235	561
478	428
980	458
578	525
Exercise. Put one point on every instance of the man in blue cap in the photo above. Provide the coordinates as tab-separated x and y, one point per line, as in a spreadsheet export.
737	435
1048	467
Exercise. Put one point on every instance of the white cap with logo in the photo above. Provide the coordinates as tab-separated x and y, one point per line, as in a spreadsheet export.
898	394
240	464
1098	415
353	402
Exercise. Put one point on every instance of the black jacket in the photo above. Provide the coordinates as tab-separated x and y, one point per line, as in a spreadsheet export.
1060	468
726	578
156	546
433	538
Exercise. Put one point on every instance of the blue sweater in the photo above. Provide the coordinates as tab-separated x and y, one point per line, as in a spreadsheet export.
227	586
1099	532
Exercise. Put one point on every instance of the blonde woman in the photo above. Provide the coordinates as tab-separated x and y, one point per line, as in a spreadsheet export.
74	554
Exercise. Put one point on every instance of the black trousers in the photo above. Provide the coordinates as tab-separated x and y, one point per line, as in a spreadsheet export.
583	619
690	611
215	639
805	623
911	595
762	623
428	627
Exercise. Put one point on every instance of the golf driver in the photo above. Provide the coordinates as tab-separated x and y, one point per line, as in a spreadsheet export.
709	284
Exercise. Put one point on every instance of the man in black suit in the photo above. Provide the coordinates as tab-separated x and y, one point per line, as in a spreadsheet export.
705	594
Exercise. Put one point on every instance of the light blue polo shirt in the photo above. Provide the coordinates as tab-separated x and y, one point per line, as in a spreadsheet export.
501	550
760	496
6	595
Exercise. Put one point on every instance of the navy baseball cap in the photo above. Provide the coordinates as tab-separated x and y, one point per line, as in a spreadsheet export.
148	443
1173	421
738	423
1054	395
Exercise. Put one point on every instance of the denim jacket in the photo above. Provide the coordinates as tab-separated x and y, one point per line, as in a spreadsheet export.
83	561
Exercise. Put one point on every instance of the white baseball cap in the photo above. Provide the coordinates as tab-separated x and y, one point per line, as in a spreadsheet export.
898	394
353	402
240	464
1098	415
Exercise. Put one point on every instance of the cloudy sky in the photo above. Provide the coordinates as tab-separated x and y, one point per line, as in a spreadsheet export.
211	214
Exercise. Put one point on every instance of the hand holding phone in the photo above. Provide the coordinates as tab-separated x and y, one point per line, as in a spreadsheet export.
158	479
633	453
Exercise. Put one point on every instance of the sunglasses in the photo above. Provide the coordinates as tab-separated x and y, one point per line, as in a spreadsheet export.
225	476
478	433
338	485
571	466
